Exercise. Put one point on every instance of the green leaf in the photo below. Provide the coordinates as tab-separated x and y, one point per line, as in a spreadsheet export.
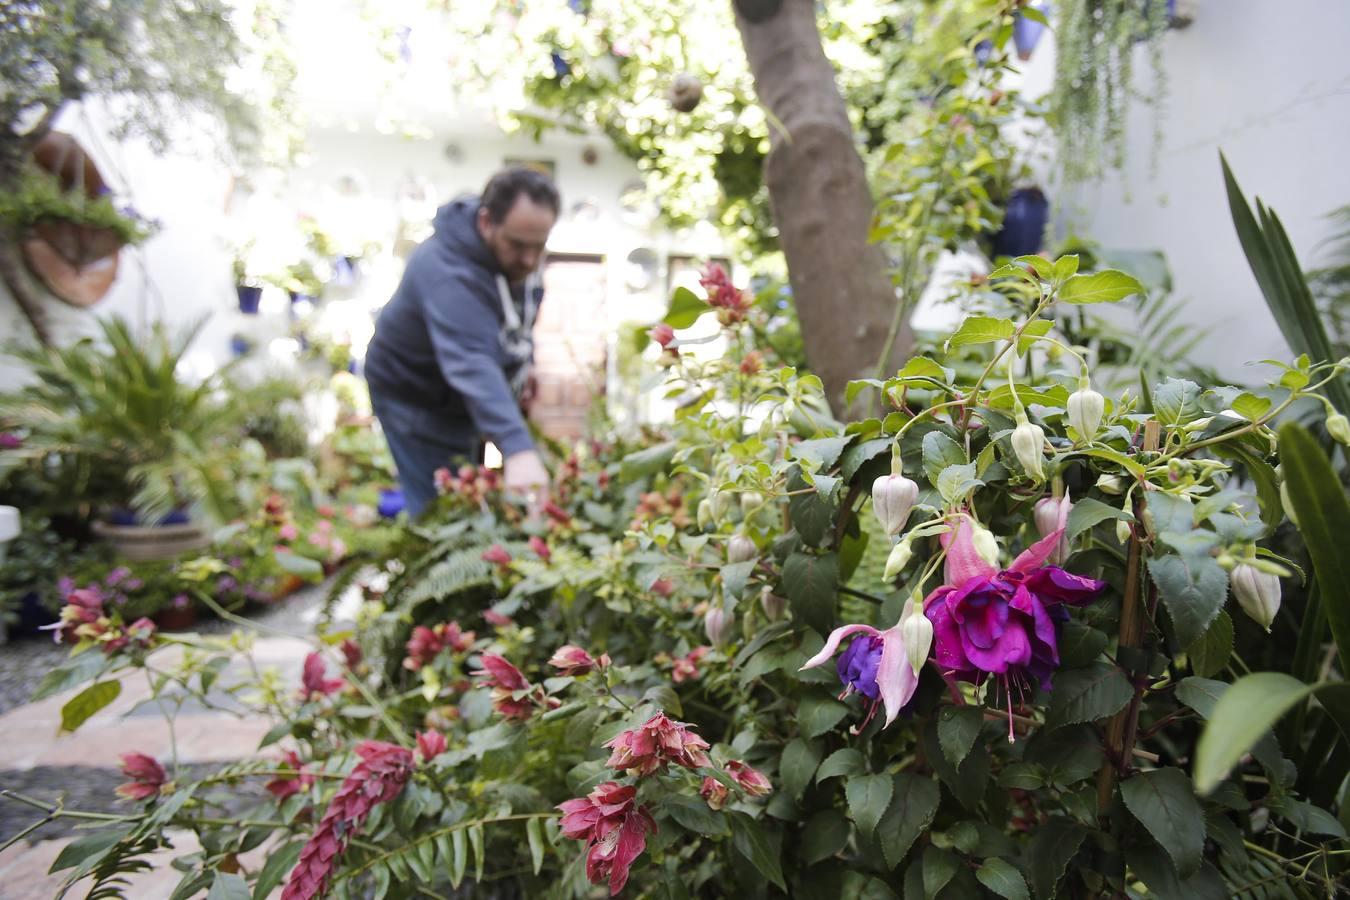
1035	15
1250	406
811	514
382	878
821	452
1164	803
841	762
825	834
1308	818
476	844
80	668
300	566
981	330
228	886
693	815
1088	513
1176	401
1106	286
1036	329
855	457
939	867
798	766
646	462
685	308
923	367
1324	520
868	797
956	482
1246	710
1088	694
811	583
735	575
1003	878
88	850
817	715
1209	655
1067	755
87	702
958	727
1052	846
939	453
280	861
914	803
460	844
1080	645
749	839
1066	265
1155	869
1193	588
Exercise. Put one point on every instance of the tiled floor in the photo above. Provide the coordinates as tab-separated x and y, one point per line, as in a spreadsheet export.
30	736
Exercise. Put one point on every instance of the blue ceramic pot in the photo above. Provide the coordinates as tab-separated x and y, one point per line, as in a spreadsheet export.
391	502
249	298
1023	223
1027	33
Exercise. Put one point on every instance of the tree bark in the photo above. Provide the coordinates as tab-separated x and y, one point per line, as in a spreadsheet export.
821	202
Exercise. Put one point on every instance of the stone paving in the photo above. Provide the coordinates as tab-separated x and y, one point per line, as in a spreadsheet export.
37	760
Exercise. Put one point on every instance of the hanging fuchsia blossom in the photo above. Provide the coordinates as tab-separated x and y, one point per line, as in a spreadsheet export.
614	828
1004	623
148	777
312	680
379	777
654	744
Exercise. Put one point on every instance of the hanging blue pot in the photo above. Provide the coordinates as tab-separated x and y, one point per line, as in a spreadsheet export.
249	298
1023	223
983	50
391	502
1027	32
240	346
297	297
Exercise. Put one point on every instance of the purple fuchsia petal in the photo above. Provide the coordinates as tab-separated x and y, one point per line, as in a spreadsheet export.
859	664
1054	585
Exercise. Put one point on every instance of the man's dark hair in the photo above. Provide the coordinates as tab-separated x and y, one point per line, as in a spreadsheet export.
508	184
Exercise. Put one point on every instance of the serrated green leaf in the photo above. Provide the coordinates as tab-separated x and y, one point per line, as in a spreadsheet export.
868	797
1250	406
1052	846
79	708
1193	587
841	762
1209	655
80	668
825	834
939	453
751	841
1164	803
1003	878
798	766
1088	694
811	583
914	803
1088	513
694	815
1105	286
958	727
981	330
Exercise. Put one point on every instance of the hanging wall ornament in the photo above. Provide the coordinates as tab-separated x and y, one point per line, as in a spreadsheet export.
685	92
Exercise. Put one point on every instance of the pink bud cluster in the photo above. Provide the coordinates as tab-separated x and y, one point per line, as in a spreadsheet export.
513	697
472	483
754	782
148	778
428	643
656	743
730	301
84	618
379	777
313	683
572	660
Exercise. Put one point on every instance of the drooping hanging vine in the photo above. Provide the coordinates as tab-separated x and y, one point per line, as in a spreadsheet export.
1095	79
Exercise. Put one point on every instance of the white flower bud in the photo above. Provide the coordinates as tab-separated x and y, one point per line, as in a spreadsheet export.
1338	428
985	543
1257	592
1122	531
740	548
899	558
722	504
718	624
893	499
773	605
1047	516
1110	484
705	514
1028	442
750	501
1086	408
916	635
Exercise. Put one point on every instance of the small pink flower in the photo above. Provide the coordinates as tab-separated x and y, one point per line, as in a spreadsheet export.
445	482
753	363
557	513
685	668
540	548
510	691
141	633
351	653
314	684
750	780
614	828
663	587
714	791
496	619
288	532
283	786
430	744
497	555
147	777
572	660
326	511
663	334
652	745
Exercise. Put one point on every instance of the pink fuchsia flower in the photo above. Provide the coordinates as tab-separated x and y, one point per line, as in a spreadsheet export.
753	363
663	587
148	777
654	744
379	777
293	781
557	513
750	780
288	532
662	333
572	660
714	792
430	744
1052	515
1004	623
685	668
497	555
540	548
615	829
496	619
313	683
10	441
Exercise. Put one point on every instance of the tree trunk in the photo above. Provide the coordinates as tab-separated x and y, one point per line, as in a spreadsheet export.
820	198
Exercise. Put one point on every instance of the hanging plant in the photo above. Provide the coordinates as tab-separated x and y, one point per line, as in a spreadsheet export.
80	227
1095	78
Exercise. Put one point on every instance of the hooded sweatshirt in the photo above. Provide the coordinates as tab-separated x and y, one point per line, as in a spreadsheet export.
440	348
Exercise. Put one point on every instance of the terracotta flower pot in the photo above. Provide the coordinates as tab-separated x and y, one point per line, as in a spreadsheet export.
172	619
76	243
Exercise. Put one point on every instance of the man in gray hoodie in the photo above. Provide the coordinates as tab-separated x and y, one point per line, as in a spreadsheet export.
450	359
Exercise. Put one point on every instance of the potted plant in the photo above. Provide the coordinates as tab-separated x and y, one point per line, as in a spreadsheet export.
149	454
81	225
1028	28
248	282
1024	221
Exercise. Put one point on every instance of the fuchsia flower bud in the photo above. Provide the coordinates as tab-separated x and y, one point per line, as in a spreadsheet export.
718	624
497	555
773	605
1085	410
572	660
662	333
148	777
1257	592
741	549
430	744
1028	444
1052	515
893	499
750	780
540	548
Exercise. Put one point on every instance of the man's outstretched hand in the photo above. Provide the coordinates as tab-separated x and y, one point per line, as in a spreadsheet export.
524	475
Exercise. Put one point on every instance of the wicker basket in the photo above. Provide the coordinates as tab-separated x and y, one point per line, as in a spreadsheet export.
140	543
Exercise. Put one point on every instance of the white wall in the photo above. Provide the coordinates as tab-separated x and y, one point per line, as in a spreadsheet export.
1269	84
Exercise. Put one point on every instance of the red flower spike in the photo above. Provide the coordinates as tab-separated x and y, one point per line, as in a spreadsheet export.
313	683
540	548
430	744
147	777
654	744
614	828
497	555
